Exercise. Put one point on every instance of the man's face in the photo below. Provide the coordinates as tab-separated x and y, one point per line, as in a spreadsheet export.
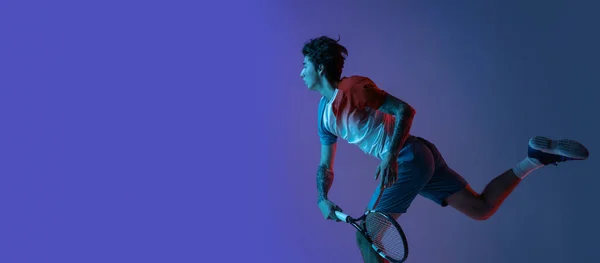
310	75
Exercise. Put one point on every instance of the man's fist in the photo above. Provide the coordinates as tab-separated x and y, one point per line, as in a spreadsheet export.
328	209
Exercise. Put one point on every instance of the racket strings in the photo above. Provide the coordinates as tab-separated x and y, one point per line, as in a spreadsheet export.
385	236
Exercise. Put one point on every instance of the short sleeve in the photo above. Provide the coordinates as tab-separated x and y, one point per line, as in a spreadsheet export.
326	137
365	93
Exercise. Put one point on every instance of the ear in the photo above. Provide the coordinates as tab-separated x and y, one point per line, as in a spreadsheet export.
321	70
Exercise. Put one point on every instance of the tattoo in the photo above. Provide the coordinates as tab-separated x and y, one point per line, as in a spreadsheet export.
401	129
324	181
404	114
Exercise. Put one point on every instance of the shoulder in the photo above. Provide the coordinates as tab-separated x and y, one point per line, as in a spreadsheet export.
361	92
360	86
353	83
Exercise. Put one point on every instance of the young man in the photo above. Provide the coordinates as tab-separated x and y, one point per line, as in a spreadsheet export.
356	110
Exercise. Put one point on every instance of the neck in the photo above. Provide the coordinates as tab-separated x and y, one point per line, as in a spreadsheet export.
327	90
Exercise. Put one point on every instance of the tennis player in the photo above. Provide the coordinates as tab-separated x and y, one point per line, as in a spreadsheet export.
356	110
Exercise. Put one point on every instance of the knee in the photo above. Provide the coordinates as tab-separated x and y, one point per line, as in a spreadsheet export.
481	217
481	211
472	204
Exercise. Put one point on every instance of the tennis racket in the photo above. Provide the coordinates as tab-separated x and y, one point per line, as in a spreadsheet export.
382	231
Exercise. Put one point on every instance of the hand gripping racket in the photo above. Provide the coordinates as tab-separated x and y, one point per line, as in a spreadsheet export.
382	231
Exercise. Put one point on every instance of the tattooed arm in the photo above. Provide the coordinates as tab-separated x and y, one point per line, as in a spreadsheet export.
324	182
404	115
325	172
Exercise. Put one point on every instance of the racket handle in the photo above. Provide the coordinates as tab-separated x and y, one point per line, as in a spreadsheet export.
341	216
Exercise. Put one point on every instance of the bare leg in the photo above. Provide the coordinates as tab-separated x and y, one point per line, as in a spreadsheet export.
483	206
541	151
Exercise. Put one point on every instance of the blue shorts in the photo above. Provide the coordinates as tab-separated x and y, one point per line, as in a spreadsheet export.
421	170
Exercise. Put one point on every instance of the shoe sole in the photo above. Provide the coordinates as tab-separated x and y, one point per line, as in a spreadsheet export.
569	148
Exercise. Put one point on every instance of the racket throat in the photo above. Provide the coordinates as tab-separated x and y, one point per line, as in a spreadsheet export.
378	251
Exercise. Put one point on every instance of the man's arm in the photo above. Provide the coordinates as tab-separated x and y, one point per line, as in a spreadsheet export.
404	115
325	171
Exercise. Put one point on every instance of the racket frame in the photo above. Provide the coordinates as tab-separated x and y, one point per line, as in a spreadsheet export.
362	229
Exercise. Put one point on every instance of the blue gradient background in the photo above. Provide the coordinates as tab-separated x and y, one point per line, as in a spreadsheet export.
181	132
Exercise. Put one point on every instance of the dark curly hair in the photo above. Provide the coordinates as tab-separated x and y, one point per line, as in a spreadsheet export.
327	52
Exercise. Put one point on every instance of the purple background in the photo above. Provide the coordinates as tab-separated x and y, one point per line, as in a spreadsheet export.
180	131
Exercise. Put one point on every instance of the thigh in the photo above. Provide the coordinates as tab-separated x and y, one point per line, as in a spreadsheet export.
444	183
416	166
